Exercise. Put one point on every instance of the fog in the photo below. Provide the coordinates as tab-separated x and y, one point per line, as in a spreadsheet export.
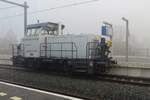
85	18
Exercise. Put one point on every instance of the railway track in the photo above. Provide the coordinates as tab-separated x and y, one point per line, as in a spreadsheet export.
135	81
140	81
8	67
11	67
47	90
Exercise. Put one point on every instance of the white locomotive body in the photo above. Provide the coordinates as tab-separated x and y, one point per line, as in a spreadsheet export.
45	44
31	47
34	46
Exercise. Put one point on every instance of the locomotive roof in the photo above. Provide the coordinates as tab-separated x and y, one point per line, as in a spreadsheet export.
46	24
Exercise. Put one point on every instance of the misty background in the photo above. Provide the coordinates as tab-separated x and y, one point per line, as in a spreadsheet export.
83	18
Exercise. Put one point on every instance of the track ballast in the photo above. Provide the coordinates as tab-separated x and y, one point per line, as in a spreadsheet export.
122	79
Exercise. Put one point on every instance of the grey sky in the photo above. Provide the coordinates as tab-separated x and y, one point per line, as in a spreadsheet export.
82	18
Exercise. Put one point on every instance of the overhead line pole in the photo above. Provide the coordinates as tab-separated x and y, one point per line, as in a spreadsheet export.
25	6
25	18
127	36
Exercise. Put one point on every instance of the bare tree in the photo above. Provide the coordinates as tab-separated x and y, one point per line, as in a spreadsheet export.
7	41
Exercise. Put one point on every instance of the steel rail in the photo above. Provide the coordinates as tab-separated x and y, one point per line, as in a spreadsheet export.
122	79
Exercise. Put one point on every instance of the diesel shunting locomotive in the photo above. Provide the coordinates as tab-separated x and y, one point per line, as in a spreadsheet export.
46	45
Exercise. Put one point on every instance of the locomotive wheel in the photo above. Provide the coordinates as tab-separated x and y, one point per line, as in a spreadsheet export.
107	66
65	66
18	62
100	69
91	68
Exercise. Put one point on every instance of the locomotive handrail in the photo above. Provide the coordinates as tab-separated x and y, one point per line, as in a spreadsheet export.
72	50
88	48
17	53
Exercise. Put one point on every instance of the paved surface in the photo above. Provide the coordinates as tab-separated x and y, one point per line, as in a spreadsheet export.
15	92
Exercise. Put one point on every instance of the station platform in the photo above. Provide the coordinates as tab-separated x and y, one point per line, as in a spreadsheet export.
135	69
134	65
15	92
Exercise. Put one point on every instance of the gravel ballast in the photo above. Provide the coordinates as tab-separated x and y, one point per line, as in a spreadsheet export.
96	90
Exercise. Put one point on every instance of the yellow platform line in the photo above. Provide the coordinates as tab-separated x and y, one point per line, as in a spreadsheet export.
15	98
3	94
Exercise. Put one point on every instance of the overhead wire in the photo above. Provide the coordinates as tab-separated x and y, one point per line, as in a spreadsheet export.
49	9
64	6
5	8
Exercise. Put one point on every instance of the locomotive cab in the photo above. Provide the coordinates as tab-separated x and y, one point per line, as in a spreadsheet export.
44	29
29	47
36	35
